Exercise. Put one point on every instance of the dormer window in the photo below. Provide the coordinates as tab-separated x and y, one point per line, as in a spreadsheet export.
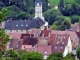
26	25
55	47
61	47
37	4
16	25
21	25
57	42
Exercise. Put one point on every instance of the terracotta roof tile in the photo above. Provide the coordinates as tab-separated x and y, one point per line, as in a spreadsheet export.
45	33
30	41
44	49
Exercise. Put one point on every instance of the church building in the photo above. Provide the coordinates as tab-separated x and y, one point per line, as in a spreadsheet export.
38	13
23	25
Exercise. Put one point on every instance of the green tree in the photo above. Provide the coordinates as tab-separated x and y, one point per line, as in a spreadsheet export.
66	24
22	52
69	57
32	56
74	19
4	38
23	15
3	14
12	53
55	56
78	52
51	14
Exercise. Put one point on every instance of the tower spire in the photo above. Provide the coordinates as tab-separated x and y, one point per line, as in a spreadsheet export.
38	9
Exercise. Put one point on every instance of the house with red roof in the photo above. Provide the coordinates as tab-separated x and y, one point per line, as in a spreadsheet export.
61	43
73	36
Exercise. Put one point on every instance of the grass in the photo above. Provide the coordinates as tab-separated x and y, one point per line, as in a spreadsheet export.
54	2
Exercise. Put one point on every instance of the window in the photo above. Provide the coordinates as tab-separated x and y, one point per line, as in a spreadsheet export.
26	25
21	30
16	30
10	30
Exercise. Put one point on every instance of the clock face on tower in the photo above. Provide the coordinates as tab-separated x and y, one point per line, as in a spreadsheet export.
38	9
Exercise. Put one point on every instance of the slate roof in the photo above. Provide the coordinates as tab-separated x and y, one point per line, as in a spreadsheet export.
38	1
23	24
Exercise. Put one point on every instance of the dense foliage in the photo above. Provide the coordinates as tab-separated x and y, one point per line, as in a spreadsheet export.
4	38
21	9
78	52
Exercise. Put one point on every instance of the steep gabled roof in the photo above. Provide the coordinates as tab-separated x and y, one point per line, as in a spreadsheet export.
58	42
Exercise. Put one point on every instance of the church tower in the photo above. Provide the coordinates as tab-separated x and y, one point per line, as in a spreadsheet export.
38	9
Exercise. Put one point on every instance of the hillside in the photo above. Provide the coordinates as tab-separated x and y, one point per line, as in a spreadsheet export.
56	2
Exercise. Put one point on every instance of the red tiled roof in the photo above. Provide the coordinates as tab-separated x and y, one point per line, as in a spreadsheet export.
75	27
58	42
30	41
26	35
44	49
45	32
78	34
71	33
58	47
52	38
15	38
15	35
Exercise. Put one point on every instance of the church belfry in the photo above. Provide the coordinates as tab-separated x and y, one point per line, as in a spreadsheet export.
38	9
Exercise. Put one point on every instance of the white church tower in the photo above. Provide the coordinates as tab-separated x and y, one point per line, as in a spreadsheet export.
38	13
38	9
